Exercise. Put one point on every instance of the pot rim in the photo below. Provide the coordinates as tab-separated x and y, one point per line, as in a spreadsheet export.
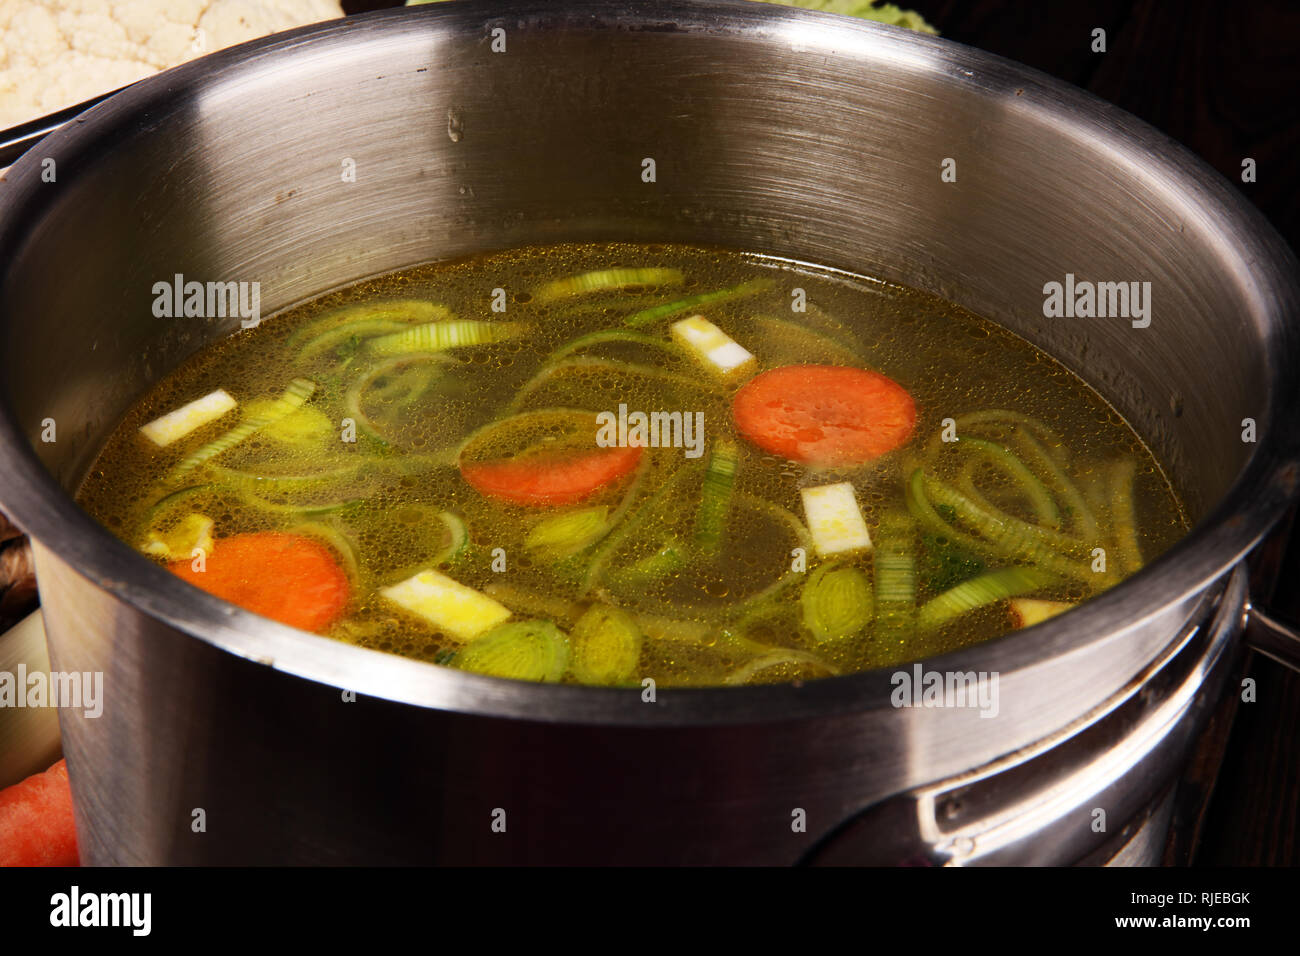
1257	499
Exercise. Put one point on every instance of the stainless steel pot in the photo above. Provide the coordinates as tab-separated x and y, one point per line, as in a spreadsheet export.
801	135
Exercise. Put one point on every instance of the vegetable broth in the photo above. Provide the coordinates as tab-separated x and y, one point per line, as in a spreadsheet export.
723	597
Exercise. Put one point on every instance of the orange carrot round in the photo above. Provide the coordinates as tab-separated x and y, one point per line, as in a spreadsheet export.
36	825
825	415
287	577
550	480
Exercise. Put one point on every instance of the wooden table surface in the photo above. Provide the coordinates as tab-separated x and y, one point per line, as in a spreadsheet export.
1222	79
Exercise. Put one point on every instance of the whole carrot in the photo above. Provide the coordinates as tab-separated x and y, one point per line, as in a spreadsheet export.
36	825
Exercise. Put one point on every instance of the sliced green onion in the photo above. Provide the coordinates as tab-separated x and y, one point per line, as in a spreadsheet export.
606	646
657	312
441	336
606	279
519	650
287	508
715	496
299	390
836	602
565	534
988	588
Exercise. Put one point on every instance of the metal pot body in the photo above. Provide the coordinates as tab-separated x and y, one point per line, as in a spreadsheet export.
228	738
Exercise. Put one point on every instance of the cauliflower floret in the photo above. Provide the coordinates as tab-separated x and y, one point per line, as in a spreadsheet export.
56	53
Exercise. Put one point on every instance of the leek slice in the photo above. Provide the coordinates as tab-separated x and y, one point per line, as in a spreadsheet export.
715	496
566	534
1121	476
299	390
786	657
352	400
985	589
607	336
606	279
606	645
519	650
194	530
836	602
1001	458
403	311
896	578
441	336
657	312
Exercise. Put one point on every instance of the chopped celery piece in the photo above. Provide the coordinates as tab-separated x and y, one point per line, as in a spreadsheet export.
836	602
606	646
519	650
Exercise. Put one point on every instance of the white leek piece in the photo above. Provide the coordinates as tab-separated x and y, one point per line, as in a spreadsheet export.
1030	611
451	607
718	351
176	425
834	519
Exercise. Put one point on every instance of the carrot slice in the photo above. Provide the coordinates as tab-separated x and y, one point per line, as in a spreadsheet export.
824	414
287	577
36	825
550	480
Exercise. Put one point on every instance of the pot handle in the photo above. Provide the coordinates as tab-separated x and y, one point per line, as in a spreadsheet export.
1274	639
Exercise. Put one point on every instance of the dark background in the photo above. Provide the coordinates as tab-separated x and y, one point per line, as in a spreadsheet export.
1222	79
